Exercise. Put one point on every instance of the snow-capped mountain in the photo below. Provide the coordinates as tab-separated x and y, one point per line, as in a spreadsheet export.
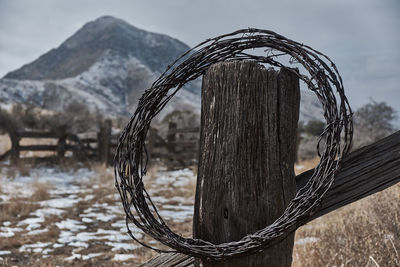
107	65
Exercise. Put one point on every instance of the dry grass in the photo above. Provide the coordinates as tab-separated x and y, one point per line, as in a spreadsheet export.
21	238
365	233
19	168
105	175
152	172
103	184
40	192
189	189
306	165
16	209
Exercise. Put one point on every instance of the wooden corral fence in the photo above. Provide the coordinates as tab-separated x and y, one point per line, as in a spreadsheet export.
179	149
245	176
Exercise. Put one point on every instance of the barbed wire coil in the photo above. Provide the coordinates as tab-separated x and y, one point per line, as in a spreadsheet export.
131	158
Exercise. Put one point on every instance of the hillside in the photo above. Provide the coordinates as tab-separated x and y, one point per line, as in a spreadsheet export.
96	39
107	65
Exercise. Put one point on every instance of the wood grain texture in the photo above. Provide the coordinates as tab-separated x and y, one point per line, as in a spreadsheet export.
170	259
24	134
11	128
103	138
176	152
364	172
248	143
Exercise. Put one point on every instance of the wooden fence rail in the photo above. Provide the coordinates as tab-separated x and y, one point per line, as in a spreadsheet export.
245	176
176	151
364	172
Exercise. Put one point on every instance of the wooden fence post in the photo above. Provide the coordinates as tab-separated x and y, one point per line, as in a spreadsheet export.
247	151
15	147
11	128
103	138
151	143
364	172
62	132
171	136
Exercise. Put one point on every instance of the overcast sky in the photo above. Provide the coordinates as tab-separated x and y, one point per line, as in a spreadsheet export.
361	36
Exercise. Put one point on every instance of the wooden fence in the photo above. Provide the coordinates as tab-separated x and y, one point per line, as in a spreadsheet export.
366	171
177	150
227	166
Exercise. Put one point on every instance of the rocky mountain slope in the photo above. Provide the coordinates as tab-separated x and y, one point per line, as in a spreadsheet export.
106	65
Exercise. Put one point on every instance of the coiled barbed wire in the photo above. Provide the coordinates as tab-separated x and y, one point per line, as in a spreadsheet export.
131	155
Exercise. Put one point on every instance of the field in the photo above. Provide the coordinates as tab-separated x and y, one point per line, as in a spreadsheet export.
364	233
72	216
55	217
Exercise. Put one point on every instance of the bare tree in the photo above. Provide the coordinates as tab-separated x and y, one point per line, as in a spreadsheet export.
372	122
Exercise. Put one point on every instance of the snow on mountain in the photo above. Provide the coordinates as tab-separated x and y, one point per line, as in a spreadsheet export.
107	65
80	51
111	86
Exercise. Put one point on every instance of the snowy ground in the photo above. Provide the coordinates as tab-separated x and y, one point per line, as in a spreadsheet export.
71	217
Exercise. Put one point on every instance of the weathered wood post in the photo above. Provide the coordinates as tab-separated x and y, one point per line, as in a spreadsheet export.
15	147
170	145
11	128
248	148
62	132
151	144
171	136
103	138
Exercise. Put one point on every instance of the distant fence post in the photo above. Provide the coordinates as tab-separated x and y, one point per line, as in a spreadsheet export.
171	136
247	152
15	148
61	142
9	126
103	138
151	144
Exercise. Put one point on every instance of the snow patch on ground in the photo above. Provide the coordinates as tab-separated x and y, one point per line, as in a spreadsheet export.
121	246
78	244
32	223
71	225
299	167
123	257
83	257
9	231
38	231
45	212
99	223
36	248
98	216
177	213
66	202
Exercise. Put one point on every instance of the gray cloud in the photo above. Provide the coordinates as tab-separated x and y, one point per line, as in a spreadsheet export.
361	36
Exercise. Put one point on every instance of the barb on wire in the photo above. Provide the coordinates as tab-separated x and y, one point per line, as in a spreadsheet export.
131	157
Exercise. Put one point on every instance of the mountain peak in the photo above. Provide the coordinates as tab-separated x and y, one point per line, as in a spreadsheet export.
108	19
80	51
99	29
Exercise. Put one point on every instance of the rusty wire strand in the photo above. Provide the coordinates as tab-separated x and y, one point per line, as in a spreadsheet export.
131	155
